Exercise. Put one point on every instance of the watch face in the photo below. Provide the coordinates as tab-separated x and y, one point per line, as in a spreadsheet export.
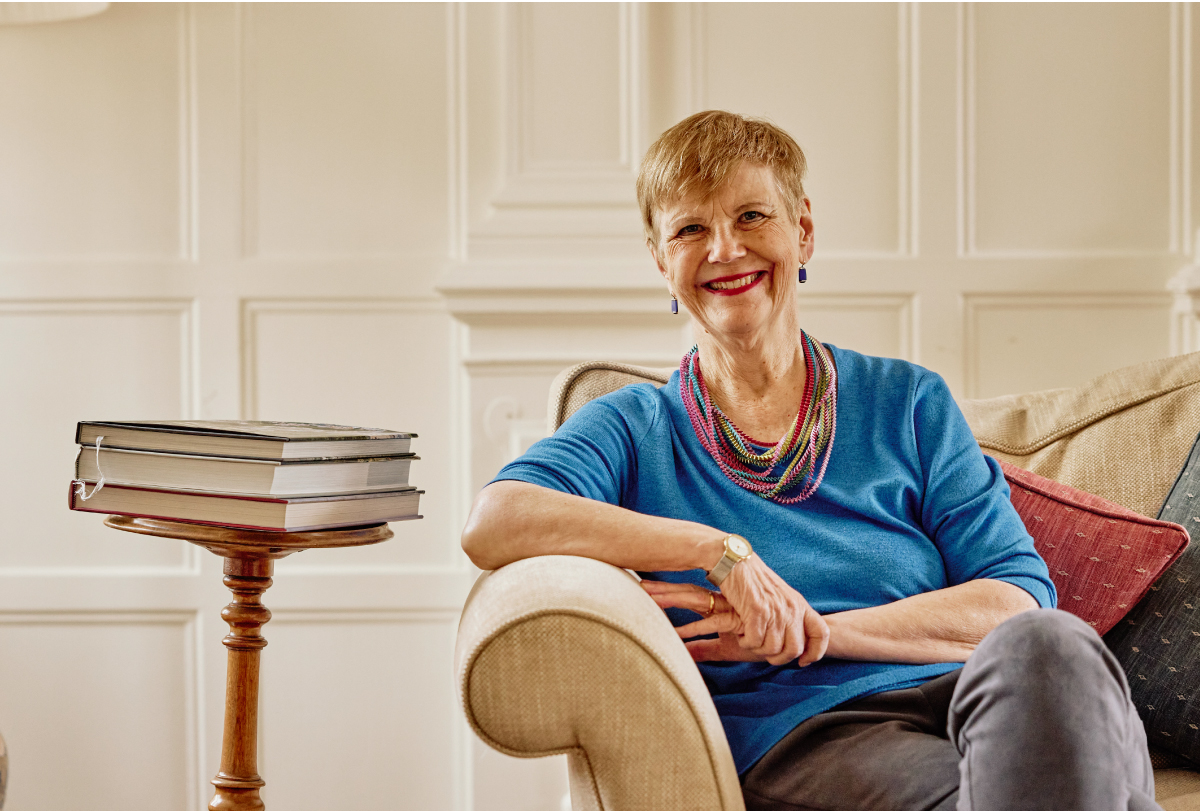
739	546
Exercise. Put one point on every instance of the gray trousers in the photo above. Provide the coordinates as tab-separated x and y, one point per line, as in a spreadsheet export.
1039	718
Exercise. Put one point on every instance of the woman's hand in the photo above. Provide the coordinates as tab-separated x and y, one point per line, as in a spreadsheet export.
757	616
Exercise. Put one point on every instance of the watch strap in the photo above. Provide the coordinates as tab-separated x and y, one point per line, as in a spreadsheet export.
721	570
728	561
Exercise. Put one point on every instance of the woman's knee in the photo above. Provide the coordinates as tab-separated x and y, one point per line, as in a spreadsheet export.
1047	646
1042	634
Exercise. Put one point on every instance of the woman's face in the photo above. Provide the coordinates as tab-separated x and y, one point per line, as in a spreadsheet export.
732	259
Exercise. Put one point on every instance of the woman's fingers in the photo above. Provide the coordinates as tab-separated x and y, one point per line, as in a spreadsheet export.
792	646
725	622
774	640
658	586
724	648
707	650
685	595
816	632
754	631
780	628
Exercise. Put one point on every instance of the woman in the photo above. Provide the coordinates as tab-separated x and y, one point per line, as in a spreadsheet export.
861	545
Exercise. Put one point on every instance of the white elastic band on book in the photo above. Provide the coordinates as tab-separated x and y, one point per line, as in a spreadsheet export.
81	487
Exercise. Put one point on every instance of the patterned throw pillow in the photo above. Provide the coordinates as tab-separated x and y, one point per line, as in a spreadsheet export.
1158	643
1102	557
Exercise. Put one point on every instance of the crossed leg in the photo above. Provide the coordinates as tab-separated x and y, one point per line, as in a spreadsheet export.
1039	718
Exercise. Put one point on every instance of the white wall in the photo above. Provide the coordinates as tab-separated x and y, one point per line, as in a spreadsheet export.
413	216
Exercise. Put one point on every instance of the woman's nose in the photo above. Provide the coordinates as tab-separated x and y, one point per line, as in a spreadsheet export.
725	246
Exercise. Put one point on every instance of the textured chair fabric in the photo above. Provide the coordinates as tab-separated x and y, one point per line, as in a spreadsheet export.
584	382
1123	436
567	655
563	654
1177	789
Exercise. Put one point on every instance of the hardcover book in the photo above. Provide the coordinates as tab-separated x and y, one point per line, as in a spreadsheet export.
288	477
250	512
247	439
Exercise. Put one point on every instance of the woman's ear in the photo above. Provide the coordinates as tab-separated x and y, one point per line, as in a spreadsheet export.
807	238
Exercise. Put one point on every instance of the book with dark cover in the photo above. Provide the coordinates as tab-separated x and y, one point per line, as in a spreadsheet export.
246	439
250	512
288	477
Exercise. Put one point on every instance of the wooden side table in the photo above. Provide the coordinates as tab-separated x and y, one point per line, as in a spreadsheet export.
249	561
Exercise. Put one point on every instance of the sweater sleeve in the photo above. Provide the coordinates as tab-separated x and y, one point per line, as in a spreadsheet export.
594	453
966	508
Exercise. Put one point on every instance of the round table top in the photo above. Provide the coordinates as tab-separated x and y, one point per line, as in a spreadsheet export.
211	535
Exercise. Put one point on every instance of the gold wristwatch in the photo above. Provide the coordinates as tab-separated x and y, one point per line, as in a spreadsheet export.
737	549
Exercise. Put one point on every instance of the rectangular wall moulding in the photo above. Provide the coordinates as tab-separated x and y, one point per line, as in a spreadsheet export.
1030	342
344	151
571	123
629	337
841	79
375	689
574	73
557	50
85	360
381	363
88	700
1072	141
96	151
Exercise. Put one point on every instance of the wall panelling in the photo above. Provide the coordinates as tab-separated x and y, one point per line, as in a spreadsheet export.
1006	337
358	711
1036	78
96	152
65	356
344	127
97	697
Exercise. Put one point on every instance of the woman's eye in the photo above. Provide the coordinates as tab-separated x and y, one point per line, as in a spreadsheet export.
689	229
751	216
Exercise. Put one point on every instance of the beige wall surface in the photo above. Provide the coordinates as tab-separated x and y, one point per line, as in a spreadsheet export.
413	216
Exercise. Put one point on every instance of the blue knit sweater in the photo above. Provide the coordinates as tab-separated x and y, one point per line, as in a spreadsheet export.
908	504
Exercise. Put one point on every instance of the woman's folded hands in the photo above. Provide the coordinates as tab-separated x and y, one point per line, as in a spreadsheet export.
756	616
759	617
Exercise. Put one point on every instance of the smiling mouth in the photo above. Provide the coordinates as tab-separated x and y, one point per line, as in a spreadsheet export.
734	286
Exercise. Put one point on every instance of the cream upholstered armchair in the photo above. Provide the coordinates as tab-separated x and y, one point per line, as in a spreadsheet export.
567	655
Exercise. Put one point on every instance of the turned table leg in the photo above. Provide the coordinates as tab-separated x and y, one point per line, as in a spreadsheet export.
249	559
238	782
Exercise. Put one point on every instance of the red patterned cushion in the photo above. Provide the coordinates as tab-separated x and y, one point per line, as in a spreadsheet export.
1103	558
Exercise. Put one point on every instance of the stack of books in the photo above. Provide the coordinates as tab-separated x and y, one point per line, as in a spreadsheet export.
276	476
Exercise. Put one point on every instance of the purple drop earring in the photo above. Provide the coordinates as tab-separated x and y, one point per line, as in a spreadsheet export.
803	274
674	306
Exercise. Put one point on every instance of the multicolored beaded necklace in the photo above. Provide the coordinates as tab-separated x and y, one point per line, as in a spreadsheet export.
799	459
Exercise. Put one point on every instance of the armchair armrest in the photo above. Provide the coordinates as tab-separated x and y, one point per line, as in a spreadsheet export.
564	654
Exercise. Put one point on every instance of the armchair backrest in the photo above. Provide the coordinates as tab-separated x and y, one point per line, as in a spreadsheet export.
584	382
1123	435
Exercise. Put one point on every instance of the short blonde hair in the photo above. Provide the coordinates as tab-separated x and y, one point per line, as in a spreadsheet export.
697	155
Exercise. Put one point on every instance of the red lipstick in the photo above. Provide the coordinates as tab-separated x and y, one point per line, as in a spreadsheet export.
758	275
